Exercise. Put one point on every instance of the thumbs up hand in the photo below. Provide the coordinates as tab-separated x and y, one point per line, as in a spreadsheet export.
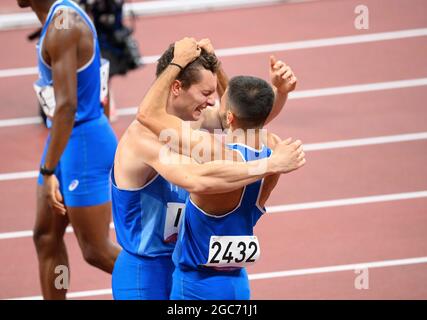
282	76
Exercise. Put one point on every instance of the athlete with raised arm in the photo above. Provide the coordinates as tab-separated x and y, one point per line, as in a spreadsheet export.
216	240
149	187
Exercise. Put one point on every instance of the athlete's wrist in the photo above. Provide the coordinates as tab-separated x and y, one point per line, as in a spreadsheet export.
45	171
178	65
279	91
182	62
182	59
273	166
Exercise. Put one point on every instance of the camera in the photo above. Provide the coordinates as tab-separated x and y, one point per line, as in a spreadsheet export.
123	39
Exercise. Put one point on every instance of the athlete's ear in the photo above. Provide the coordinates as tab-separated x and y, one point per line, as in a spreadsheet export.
230	117
176	87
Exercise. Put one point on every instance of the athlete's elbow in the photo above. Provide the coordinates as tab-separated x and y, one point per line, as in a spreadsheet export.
144	116
67	108
141	116
142	113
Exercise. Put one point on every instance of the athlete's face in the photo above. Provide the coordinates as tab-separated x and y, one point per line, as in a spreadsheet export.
23	3
190	102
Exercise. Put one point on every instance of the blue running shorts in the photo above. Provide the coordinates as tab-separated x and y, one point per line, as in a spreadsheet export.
142	278
83	171
210	285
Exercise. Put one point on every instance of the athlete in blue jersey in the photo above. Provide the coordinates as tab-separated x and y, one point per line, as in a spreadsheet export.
215	240
149	183
73	184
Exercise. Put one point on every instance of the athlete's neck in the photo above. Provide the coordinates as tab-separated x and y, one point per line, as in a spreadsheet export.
169	106
41	9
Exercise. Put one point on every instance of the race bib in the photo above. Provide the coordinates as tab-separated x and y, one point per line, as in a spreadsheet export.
105	71
46	98
233	251
46	95
174	214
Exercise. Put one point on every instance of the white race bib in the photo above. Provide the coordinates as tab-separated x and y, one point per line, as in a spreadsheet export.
105	70
46	95
46	98
174	214
233	251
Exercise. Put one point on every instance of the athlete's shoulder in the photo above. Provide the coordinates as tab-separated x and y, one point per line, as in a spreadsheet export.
136	147
139	132
66	26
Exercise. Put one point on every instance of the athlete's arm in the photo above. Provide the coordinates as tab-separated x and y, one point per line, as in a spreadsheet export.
152	111
222	84
271	181
61	48
210	177
210	119
283	81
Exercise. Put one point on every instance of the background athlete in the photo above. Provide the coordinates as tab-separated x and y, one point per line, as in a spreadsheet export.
73	184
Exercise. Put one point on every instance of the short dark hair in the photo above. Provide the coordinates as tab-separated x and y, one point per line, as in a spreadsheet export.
250	99
190	74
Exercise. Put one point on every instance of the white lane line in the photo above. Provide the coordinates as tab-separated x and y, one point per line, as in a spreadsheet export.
347	202
17	72
276	274
29	233
18	175
324	42
21	121
284	208
323	92
338	268
148	8
71	295
365	141
358	88
351	143
151	8
272	47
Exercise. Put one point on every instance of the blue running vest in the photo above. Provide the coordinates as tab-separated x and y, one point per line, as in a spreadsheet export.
223	242
88	76
147	219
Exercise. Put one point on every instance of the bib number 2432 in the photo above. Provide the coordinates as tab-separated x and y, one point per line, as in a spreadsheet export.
233	251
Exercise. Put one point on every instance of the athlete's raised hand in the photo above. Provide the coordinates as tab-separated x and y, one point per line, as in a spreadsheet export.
206	44
282	76
186	50
288	155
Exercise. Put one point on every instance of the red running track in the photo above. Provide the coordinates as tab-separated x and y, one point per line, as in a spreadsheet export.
291	240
